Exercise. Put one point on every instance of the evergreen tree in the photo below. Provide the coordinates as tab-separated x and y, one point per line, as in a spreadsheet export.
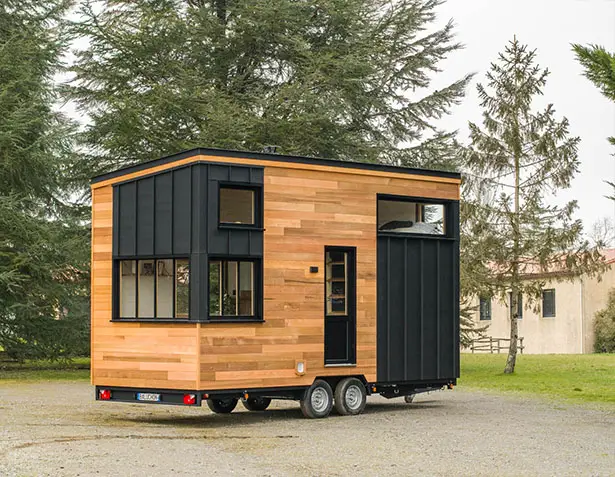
341	79
516	163
43	243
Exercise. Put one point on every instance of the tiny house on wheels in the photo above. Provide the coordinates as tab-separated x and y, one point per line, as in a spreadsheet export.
221	276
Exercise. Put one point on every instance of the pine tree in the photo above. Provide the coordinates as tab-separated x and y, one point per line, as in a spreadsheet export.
347	80
516	163
43	243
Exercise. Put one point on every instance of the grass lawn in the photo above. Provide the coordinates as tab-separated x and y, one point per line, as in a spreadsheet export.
78	370
581	378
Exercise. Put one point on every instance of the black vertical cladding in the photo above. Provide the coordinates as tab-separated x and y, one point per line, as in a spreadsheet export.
163	230
182	216
127	219
145	216
175	214
418	305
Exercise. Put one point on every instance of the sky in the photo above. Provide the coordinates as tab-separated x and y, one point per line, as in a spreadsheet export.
549	26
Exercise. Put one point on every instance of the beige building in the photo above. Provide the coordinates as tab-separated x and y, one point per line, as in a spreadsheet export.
564	321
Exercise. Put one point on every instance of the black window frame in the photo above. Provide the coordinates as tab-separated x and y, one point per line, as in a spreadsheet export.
519	306
257	190
449	226
257	293
553	309
484	315
116	316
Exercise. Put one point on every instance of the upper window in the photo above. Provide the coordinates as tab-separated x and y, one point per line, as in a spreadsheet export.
548	303
411	217
519	306
231	288
154	288
237	205
485	309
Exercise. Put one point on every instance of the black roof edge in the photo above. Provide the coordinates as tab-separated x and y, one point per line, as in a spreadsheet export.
270	157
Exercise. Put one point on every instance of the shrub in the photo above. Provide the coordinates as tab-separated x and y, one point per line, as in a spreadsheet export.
604	327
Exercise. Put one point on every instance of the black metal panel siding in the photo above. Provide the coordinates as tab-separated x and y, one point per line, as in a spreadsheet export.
418	306
145	216
163	230
127	237
175	214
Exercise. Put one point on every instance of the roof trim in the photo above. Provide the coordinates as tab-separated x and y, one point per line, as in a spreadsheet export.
202	151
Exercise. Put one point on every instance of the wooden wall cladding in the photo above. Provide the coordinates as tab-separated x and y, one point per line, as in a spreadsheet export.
306	207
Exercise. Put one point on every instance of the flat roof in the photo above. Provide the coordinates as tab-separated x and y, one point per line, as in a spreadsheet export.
206	151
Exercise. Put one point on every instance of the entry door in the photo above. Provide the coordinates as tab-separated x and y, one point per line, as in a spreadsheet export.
340	305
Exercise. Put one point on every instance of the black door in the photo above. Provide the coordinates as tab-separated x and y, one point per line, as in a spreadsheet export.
340	305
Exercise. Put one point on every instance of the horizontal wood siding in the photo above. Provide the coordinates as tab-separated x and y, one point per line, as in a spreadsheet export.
132	354
304	210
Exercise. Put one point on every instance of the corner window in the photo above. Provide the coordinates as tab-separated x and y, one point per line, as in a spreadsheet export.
485	309
548	303
237	205
519	306
400	216
232	288
154	288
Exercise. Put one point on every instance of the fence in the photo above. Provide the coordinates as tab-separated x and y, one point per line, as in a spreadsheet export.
494	345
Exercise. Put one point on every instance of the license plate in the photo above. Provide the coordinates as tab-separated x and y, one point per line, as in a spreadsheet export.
148	397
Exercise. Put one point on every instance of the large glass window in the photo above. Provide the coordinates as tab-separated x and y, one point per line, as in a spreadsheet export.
237	206
154	288
231	288
411	217
548	303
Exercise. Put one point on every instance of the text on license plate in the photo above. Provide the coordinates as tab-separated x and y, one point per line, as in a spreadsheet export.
148	397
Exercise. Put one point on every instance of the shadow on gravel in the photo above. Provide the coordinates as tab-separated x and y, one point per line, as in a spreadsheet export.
238	419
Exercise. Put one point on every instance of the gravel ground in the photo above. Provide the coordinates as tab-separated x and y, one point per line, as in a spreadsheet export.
58	429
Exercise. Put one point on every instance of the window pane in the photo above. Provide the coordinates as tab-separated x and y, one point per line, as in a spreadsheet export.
182	288
128	283
548	303
229	288
246	286
146	288
236	206
164	288
485	309
335	280
214	288
411	217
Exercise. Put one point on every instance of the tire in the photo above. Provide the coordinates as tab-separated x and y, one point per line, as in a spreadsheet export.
318	400
222	406
350	397
409	398
256	404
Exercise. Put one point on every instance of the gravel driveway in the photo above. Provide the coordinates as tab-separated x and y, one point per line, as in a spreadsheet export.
58	429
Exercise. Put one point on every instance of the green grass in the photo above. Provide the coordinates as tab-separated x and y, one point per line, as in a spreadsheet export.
77	370
579	378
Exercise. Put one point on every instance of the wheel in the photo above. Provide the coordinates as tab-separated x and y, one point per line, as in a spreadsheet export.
409	398
256	404
222	406
350	397
318	400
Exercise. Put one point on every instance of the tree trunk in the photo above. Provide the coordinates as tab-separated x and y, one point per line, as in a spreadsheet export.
514	302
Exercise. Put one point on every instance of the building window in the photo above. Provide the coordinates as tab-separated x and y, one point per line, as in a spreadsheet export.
232	288
519	306
485	309
406	217
237	205
548	303
336	280
154	288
